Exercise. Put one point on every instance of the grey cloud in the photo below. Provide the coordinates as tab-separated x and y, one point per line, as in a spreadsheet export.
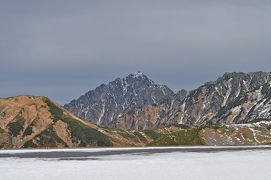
63	48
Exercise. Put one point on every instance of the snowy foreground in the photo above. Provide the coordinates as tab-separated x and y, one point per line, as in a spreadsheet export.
239	165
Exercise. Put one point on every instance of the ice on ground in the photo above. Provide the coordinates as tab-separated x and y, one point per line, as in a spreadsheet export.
239	165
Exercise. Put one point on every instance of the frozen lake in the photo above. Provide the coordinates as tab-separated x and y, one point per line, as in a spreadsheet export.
138	165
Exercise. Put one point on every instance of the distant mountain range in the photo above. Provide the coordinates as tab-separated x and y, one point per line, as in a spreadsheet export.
136	102
235	109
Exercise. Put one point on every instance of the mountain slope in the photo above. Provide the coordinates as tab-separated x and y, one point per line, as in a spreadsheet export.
28	121
38	122
232	98
109	101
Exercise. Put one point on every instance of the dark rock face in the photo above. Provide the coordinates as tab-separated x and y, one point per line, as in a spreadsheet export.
232	98
109	101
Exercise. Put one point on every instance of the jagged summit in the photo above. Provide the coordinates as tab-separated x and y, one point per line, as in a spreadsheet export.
137	77
138	74
109	101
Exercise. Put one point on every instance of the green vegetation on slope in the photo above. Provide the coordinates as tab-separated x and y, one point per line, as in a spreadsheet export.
48	138
1	130
84	134
184	137
29	130
127	135
140	136
29	144
152	133
16	126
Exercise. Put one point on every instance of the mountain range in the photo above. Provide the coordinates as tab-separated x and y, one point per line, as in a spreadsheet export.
136	102
235	109
38	122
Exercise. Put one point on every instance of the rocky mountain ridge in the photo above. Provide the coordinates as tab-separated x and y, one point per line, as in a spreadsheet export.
109	101
231	99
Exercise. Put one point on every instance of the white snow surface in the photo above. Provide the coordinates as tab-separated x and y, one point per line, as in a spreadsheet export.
234	165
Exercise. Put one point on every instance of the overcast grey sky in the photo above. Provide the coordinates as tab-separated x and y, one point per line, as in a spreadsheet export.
62	48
